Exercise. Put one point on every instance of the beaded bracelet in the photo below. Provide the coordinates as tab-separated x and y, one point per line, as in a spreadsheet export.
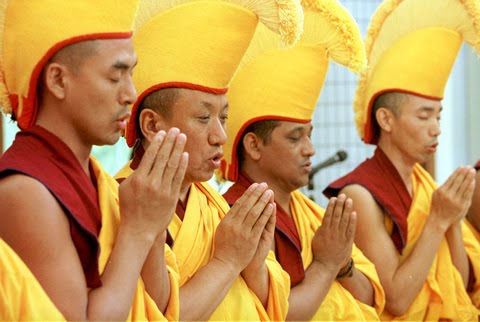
347	270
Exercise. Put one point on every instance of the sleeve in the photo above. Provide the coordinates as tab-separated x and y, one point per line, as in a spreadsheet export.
277	306
471	240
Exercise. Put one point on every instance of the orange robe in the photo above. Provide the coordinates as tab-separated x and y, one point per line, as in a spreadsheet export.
193	247
339	304
443	296
22	298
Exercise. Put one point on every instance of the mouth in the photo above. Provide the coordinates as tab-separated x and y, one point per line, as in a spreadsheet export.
123	120
307	166
216	160
433	147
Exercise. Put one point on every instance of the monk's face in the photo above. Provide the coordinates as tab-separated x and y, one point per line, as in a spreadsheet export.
202	117
285	158
415	130
99	92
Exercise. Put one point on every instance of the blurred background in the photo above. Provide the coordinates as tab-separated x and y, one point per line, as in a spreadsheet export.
334	129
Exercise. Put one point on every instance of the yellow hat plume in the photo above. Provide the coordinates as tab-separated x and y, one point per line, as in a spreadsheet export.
411	47
279	84
198	44
32	31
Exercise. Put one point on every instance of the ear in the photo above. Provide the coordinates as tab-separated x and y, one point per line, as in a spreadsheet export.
384	119
150	123
54	78
252	145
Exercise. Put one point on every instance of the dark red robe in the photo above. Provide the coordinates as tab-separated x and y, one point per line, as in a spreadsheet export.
288	249
41	155
380	177
477	166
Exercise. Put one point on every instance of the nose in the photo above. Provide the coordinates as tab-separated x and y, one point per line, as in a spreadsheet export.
217	135
308	149
435	129
128	95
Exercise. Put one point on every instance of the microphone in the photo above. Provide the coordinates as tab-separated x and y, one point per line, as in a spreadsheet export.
338	157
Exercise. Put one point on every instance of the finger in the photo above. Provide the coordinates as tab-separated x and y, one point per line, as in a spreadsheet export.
150	154
260	224
163	154
249	202
352	226
468	179
240	201
175	158
270	227
470	190
338	211
180	174
345	216
452	179
327	218
257	209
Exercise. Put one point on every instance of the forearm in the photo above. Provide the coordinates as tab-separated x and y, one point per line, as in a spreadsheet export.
411	275
305	298
359	286
155	274
113	300
258	280
457	251
202	294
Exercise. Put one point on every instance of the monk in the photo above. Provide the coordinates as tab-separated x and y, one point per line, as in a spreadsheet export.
226	271
410	228
473	214
60	210
269	140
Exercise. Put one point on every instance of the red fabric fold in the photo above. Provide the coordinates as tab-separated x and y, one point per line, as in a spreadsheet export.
477	166
380	177
288	249
43	156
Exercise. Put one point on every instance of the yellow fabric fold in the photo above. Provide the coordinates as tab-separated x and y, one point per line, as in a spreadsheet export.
471	239
443	295
144	307
194	247
339	304
22	298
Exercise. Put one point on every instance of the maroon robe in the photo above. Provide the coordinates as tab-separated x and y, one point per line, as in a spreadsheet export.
41	155
380	177
477	166
288	249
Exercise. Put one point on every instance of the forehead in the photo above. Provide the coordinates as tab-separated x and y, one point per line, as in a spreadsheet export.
112	51
415	103
289	126
193	100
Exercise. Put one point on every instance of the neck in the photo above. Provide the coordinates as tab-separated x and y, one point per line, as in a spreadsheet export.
58	127
184	189
400	161
281	194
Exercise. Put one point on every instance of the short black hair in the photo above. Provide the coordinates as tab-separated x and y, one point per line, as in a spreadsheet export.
262	129
390	101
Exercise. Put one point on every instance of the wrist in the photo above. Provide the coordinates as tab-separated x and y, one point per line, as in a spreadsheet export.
347	270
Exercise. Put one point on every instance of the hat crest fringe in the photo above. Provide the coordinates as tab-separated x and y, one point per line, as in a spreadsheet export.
284	17
5	105
337	31
462	16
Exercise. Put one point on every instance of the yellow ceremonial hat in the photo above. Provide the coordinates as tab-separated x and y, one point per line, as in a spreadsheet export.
32	31
198	44
411	47
280	84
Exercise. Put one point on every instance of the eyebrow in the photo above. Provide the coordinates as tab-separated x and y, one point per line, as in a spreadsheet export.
122	65
210	106
430	108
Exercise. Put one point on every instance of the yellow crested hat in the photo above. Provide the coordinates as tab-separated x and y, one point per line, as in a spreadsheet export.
280	84
198	44
411	47
32	31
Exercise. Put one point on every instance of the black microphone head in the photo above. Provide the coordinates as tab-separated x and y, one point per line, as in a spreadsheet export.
342	155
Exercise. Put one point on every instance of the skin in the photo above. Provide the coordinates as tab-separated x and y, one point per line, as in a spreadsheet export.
84	108
284	163
244	236
474	212
409	138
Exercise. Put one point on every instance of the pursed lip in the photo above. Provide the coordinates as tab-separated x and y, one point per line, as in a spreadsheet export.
124	117
217	156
